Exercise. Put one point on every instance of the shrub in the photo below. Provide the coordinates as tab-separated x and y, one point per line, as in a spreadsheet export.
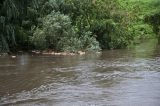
57	33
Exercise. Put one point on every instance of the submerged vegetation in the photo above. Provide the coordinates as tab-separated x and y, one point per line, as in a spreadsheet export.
77	25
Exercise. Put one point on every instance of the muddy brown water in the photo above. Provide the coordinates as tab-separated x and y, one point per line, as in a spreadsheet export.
113	78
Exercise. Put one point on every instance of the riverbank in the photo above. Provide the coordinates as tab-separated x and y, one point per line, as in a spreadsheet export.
47	52
51	52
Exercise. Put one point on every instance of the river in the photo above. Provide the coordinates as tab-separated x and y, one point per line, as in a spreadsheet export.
126	77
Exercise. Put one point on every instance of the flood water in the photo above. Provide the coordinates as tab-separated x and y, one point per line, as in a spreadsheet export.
113	78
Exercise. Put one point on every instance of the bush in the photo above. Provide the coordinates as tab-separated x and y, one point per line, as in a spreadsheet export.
57	33
142	32
111	35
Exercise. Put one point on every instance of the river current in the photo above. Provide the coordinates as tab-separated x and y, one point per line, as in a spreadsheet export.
113	78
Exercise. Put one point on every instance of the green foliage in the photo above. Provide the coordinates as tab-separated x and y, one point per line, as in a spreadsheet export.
38	39
54	27
77	24
58	33
100	17
141	32
144	22
11	14
154	20
88	42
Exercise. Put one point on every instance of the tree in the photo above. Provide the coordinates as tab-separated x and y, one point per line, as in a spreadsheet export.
12	13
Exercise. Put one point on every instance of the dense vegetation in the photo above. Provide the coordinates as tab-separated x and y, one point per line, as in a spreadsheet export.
74	25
